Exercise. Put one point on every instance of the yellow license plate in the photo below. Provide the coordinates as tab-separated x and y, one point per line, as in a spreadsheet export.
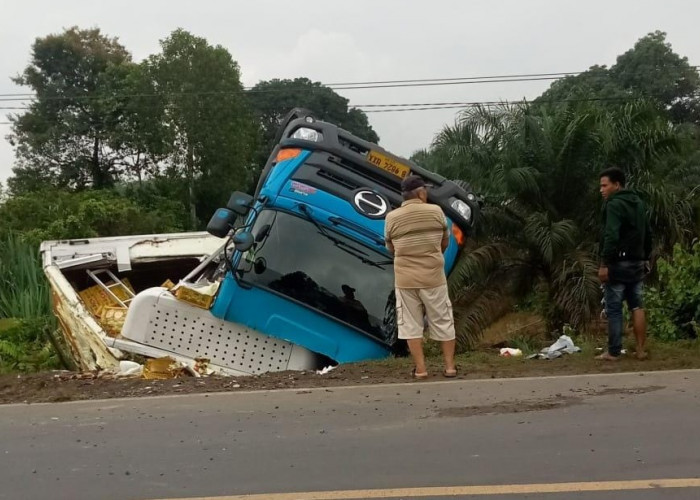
388	165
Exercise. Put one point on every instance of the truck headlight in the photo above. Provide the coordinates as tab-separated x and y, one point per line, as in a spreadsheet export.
462	209
307	134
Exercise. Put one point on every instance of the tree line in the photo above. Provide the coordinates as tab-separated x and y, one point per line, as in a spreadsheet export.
178	125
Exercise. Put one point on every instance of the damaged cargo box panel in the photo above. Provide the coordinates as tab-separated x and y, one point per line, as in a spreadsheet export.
116	297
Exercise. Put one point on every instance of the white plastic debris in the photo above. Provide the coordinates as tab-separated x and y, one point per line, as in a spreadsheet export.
325	370
129	368
508	352
563	345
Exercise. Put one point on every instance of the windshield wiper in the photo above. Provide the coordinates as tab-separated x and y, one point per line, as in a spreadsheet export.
349	249
346	247
357	228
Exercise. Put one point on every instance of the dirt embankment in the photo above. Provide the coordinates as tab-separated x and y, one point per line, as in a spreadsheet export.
69	386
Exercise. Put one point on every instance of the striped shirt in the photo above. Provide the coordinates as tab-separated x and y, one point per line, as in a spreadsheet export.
416	230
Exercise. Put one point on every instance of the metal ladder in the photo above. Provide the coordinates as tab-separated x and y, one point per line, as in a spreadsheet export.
117	283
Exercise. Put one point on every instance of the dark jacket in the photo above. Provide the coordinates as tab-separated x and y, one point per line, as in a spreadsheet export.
626	235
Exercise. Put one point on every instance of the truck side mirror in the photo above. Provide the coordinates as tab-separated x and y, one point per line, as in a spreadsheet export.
239	203
221	222
243	241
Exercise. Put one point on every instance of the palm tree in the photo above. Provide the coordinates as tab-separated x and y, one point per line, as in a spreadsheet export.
536	168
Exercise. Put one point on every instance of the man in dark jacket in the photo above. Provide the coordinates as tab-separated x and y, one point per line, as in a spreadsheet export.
625	248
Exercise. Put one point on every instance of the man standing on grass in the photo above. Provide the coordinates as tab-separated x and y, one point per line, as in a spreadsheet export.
625	248
416	233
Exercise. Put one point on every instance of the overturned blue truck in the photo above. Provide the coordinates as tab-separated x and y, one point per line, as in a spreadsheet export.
295	276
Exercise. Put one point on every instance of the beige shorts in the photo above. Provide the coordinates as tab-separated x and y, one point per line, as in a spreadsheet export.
413	303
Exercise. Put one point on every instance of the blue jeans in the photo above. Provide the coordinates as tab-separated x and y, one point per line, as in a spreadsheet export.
615	293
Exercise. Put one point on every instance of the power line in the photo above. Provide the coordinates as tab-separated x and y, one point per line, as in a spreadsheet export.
337	86
440	84
400	107
572	73
351	105
425	106
370	108
418	82
414	82
305	89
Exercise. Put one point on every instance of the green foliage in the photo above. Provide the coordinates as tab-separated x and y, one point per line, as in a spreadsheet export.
48	215
652	68
271	100
540	223
526	343
25	309
61	139
649	70
25	345
207	132
673	304
24	291
98	119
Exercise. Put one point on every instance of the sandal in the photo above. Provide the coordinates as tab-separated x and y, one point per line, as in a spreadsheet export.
449	374
419	376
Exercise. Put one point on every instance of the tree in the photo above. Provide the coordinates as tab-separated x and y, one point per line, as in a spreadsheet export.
649	70
595	84
537	169
653	69
138	133
204	129
61	139
272	100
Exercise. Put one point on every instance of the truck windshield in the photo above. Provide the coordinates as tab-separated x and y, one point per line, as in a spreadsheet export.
324	270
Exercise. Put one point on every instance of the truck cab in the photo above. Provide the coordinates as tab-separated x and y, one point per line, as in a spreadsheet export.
309	264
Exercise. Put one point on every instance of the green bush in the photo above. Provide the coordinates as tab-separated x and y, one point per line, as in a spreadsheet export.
26	345
51	215
673	305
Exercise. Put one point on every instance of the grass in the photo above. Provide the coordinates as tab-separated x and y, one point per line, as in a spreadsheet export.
27	324
24	291
486	363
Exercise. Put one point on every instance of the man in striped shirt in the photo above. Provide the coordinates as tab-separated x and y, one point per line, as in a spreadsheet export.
416	233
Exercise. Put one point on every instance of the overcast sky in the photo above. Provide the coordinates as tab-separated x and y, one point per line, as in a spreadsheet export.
370	40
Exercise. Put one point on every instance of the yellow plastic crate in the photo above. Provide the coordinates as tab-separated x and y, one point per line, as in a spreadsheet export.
197	295
96	298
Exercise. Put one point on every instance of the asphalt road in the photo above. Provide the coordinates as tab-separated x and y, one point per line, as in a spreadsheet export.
587	437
